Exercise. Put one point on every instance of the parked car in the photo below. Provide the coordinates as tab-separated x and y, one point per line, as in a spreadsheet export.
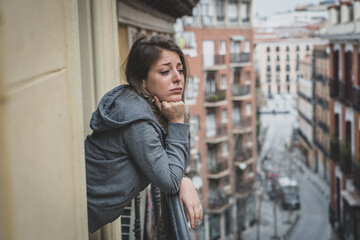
290	200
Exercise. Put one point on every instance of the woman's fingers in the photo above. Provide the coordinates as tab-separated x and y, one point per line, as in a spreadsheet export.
157	102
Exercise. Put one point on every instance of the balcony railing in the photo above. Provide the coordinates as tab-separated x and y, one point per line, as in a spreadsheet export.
219	167
346	91
213	60
323	126
334	87
240	57
357	173
218	201
169	217
240	90
243	187
322	148
213	136
335	149
216	96
356	97
242	155
244	123
346	160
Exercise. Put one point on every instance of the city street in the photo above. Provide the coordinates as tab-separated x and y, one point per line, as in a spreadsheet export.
278	119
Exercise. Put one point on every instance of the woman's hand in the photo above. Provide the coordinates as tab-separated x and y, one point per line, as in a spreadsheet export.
190	199
173	111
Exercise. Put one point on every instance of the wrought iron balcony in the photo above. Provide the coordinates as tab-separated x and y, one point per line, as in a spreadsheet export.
219	170
357	173
240	57
334	87
346	91
242	155
169	218
335	149
323	126
242	126
218	95
356	97
216	135
244	187
346	160
213	60
239	91
218	201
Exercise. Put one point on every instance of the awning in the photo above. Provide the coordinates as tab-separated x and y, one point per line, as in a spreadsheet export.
237	38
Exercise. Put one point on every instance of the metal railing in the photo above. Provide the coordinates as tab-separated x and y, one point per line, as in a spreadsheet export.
244	122
334	87
335	149
216	96
356	97
212	60
240	57
242	155
217	201
346	91
240	90
220	131
244	186
169	218
219	167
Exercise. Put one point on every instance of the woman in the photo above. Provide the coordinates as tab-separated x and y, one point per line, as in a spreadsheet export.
140	135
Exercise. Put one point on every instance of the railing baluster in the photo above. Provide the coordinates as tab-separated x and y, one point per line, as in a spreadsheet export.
137	222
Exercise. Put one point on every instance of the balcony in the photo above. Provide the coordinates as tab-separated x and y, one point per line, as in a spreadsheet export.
244	187
220	170
321	147
242	126
335	149
346	91
323	126
213	62
241	92
346	160
239	59
356	97
215	99
334	87
216	135
322	102
357	173
218	202
242	155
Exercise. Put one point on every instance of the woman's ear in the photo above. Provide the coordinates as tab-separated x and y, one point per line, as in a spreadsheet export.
143	83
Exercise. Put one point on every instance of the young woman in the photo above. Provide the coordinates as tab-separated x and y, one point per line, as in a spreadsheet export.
140	135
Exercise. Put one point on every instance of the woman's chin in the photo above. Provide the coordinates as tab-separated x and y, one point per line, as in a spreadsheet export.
173	99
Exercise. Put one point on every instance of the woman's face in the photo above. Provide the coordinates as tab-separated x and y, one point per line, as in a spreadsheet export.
165	78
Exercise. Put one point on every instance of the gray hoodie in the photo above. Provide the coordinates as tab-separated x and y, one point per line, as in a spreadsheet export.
127	150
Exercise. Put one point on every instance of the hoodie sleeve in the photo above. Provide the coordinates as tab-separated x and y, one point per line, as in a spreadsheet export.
163	166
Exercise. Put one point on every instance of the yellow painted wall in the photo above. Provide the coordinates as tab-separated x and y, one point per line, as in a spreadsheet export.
42	171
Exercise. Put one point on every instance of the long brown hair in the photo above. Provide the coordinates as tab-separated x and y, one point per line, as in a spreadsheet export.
144	53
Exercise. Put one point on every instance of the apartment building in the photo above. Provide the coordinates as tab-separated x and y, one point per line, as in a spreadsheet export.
321	110
344	107
305	106
218	42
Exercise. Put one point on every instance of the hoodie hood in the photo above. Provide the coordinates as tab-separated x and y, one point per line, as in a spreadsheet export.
119	107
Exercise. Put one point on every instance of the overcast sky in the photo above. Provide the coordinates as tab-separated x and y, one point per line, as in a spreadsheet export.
268	7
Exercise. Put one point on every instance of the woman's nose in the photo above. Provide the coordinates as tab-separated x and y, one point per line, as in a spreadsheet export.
177	76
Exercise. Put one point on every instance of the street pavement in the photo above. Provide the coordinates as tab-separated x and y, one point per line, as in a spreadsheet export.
278	119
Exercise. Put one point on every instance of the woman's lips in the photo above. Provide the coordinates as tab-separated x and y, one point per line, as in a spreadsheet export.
176	90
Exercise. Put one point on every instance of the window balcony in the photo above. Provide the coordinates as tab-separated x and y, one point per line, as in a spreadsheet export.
213	62
240	59
244	187
346	160
242	126
323	126
322	148
218	202
357	173
356	97
335	149
220	170
241	92
346	91
215	99
216	135
242	155
334	87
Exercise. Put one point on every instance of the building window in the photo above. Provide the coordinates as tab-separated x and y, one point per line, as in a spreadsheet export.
248	109
192	88
268	68
210	125
268	78
220	10
287	67
245	12
287	48
278	68
277	48
223	83
268	58
236	115
288	88
249	139
224	118
233	11
268	49
269	89
222	47
247	46
225	149
278	88
278	58
297	57
287	57
307	48
287	77
297	48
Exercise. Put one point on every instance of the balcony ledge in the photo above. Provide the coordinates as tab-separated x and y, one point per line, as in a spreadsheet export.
242	131
215	104
218	175
241	98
